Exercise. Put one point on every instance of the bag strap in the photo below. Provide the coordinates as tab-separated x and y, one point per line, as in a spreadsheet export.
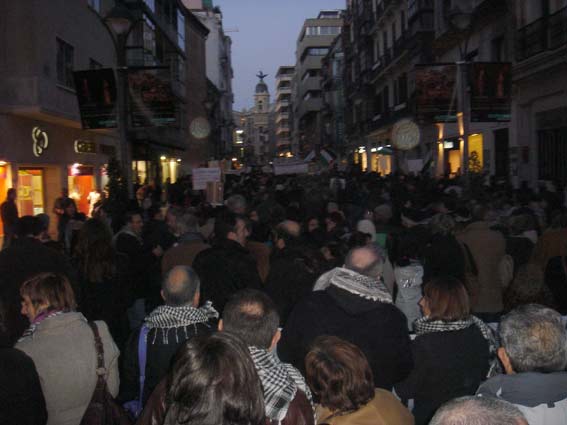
142	357
99	349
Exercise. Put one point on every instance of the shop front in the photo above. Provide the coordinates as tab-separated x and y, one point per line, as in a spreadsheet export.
452	154
40	158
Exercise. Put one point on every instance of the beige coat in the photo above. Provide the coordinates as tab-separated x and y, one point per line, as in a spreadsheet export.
383	409
63	350
487	248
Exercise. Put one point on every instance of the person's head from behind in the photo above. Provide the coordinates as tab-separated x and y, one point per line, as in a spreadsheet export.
95	251
28	227
186	223
181	287
366	260
69	207
46	292
12	194
44	221
288	234
134	222
471	410
213	381
445	298
252	316
232	227
533	339
334	220
236	204
339	374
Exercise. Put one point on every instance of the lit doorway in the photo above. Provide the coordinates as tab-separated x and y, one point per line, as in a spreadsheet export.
31	191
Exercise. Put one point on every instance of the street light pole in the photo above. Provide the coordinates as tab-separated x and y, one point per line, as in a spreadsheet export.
119	23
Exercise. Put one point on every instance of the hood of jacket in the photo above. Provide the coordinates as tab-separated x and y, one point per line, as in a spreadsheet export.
529	389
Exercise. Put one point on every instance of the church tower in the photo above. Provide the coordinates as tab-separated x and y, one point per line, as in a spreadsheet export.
262	95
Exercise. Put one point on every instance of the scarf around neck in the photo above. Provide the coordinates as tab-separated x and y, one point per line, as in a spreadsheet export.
166	317
424	326
39	318
280	382
355	283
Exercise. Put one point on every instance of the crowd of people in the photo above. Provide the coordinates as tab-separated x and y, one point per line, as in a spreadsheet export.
340	299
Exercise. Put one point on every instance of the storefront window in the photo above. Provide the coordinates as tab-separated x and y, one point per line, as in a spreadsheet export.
476	158
30	191
80	180
4	186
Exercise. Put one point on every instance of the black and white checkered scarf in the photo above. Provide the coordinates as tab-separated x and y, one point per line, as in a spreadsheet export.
280	382
358	284
166	318
425	325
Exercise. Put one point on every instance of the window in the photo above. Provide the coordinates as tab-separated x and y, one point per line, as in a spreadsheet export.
95	4
181	30
65	63
498	51
312	94
94	64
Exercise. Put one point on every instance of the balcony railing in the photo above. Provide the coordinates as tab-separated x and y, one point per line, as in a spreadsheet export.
547	33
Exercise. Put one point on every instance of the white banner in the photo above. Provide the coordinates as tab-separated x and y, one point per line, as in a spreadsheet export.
202	176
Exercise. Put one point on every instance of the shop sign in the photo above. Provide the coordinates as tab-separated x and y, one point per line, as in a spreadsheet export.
491	92
448	144
85	146
96	95
434	87
40	141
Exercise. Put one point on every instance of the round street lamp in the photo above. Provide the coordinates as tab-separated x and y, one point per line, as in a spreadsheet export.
119	19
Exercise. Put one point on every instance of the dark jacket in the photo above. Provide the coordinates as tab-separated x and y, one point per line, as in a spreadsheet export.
9	215
556	282
299	411
291	279
224	269
161	349
542	397
443	256
140	263
25	258
21	397
447	365
379	329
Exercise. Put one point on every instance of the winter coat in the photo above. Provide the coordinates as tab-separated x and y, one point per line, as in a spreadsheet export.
289	281
183	253
378	329
409	280
487	248
161	346
224	269
443	256
542	397
63	350
21	398
447	365
383	409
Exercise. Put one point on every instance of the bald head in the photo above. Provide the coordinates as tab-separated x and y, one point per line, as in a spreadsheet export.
288	234
472	410
367	260
181	287
290	227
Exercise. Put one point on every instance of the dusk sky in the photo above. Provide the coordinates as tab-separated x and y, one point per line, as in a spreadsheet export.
266	37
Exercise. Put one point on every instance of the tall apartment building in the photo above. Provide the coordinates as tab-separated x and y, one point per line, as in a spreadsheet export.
333	118
538	133
284	77
219	72
315	38
383	41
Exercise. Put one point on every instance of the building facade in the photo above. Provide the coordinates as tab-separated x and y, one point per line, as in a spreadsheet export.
220	73
315	38
283	123
333	117
42	145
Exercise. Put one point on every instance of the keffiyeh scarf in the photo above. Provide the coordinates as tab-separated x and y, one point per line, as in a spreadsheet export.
167	317
280	382
424	326
355	283
40	318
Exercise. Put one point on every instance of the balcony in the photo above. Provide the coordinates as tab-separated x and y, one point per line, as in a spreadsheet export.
547	33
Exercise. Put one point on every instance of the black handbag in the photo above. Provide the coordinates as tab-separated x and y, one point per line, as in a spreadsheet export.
103	409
